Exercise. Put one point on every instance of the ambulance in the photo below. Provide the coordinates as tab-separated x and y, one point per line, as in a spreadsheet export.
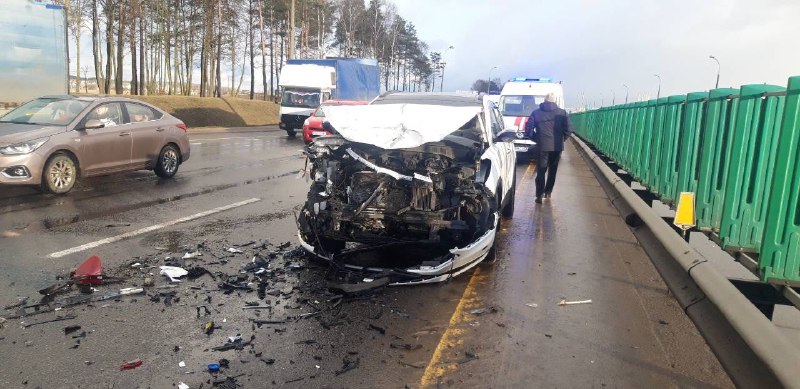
518	99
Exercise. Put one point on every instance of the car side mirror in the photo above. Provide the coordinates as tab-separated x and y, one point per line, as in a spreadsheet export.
507	135
93	125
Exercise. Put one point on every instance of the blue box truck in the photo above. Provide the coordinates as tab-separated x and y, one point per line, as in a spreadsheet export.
306	83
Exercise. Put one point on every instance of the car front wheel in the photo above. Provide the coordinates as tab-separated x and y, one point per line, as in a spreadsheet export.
168	162
60	174
508	210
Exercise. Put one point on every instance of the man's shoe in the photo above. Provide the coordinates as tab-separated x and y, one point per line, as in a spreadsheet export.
547	195
538	199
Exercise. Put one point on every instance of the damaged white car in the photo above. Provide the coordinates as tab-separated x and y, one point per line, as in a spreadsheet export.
410	188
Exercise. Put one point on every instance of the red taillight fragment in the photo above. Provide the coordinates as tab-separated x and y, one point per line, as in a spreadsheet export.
182	127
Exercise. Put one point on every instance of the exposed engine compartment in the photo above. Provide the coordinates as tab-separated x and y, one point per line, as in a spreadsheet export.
431	194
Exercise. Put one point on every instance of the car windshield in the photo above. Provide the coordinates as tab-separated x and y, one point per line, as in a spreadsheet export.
519	105
46	111
303	98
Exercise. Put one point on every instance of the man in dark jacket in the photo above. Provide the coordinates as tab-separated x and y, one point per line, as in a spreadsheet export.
548	126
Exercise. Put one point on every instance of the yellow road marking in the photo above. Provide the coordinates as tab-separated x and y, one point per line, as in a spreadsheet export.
436	368
528	172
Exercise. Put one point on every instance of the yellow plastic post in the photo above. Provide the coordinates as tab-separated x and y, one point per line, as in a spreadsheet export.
685	216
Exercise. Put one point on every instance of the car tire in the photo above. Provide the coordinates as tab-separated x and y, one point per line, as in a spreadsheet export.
291	132
168	162
508	210
60	174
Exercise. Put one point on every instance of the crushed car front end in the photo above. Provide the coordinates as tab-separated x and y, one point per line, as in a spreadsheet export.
425	213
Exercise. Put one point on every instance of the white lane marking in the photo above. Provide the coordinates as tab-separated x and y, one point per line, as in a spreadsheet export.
145	230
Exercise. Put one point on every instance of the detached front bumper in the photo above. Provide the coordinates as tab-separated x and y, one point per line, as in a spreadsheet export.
458	261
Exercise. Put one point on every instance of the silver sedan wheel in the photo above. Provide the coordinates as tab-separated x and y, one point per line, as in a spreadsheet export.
169	160
62	174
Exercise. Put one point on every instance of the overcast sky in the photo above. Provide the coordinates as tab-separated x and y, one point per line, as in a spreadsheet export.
594	46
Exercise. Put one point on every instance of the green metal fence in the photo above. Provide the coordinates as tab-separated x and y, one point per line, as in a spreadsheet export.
738	150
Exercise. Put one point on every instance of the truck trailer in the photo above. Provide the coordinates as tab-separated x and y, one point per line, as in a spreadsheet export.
306	83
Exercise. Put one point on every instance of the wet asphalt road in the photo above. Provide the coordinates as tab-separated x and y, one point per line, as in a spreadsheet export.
500	326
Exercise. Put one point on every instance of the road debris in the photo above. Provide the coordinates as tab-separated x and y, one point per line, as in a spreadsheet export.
359	287
213	367
131	365
90	272
481	311
192	255
406	346
379	329
233	343
197	271
208	327
468	356
234	250
57	319
181	364
564	302
227	383
130	291
532	305
181	385
173	273
416	365
20	302
70	329
348	365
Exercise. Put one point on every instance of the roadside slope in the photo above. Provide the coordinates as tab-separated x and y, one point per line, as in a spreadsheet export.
216	112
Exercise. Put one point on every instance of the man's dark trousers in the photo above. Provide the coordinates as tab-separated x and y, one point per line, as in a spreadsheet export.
546	164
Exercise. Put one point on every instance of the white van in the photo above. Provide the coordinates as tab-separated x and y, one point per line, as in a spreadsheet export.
519	98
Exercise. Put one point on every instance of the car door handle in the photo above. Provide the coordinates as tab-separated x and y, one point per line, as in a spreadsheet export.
124	133
160	129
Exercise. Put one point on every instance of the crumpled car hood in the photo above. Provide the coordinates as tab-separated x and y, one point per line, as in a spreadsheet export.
398	126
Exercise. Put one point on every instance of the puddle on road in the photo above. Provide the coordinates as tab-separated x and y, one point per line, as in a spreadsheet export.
55	222
96	187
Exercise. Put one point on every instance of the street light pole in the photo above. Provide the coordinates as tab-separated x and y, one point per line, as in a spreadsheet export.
626	93
613	98
441	82
489	83
658	94
718	67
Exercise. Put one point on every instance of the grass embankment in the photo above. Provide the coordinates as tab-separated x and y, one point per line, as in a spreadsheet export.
216	112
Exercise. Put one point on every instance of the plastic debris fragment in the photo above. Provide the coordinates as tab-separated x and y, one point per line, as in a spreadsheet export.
173	272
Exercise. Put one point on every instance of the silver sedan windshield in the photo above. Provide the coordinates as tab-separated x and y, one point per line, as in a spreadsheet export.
46	111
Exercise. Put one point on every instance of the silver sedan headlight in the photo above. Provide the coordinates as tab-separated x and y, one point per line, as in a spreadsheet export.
24	147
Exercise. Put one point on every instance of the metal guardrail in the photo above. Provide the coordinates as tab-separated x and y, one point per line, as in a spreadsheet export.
773	350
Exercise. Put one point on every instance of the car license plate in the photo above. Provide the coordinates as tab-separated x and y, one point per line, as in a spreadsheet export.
319	133
521	149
